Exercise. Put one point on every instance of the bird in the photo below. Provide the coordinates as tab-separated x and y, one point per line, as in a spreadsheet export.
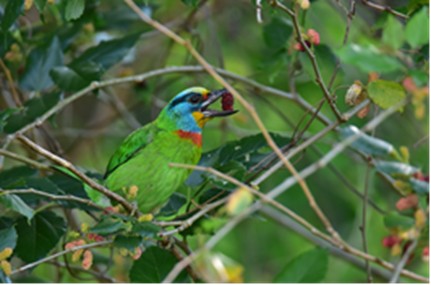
139	169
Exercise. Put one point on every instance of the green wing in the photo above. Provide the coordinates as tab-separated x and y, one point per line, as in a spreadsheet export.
136	141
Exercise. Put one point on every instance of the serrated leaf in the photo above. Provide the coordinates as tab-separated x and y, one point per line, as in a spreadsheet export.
277	32
393	32
16	204
394	220
385	93
368	59
8	238
153	266
417	29
365	143
39	64
74	9
308	267
12	10
37	239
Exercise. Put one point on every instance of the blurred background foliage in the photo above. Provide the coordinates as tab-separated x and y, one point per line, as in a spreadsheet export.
52	49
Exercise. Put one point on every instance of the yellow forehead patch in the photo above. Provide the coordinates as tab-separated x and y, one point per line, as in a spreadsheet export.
205	92
200	119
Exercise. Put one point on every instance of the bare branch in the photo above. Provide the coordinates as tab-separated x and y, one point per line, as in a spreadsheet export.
403	261
312	57
87	180
384	9
51	196
55	255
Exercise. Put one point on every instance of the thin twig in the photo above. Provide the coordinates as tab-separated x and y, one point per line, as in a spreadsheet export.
312	57
383	8
399	268
24	159
187	223
60	253
9	78
363	227
259	11
51	196
87	180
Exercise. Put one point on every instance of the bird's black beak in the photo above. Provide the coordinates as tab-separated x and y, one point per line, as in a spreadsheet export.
212	97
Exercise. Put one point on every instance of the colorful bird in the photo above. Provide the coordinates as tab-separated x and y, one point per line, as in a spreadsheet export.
139	169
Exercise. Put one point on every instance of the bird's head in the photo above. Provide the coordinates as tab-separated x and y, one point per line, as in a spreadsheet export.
189	109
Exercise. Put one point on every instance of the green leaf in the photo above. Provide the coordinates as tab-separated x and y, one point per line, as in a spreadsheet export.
176	201
108	226
192	3
417	29
385	93
325	59
128	242
33	108
419	186
74	9
40	5
367	144
16	204
393	33
37	239
6	41
67	79
146	229
277	32
153	266
96	60
12	11
39	64
8	238
395	220
368	59
394	168
308	267
15	177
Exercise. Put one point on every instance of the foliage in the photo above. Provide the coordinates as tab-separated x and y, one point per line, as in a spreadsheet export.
70	76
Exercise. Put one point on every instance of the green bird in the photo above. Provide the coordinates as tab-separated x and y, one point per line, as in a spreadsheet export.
139	169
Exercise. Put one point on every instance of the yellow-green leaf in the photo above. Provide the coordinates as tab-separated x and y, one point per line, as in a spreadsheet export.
385	93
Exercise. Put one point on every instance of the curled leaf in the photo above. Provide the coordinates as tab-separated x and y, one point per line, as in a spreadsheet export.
367	144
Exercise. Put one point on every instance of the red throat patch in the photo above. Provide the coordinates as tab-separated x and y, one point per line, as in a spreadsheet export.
196	138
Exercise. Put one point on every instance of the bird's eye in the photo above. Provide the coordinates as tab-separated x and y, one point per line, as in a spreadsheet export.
195	98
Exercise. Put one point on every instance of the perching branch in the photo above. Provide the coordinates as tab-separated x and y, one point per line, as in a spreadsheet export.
69	166
55	255
52	196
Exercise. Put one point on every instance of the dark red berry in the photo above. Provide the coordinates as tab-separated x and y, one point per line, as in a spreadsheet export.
227	102
390	241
